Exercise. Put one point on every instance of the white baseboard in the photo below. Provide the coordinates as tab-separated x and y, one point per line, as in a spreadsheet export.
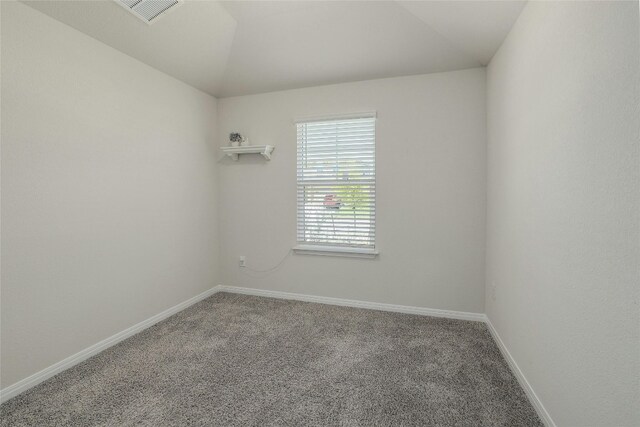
533	397
35	379
479	317
461	315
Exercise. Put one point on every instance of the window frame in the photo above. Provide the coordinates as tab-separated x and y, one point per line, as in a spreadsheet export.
311	248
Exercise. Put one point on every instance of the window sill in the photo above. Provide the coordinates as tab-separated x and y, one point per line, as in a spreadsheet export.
337	251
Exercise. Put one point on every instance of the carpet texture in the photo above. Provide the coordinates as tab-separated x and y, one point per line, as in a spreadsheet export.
236	360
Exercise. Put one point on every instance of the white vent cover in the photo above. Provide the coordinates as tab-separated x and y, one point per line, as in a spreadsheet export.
149	10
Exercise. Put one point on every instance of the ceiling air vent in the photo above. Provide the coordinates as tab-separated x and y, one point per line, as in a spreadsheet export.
149	10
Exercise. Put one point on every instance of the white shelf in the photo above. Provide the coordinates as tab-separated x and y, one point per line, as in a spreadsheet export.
234	152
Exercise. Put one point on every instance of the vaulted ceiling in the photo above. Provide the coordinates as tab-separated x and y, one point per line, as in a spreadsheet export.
240	47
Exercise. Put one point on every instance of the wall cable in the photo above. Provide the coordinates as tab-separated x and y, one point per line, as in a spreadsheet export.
268	270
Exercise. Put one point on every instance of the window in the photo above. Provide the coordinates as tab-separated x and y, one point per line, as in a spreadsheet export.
337	185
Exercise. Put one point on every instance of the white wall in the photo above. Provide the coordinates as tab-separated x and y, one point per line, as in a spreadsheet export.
108	192
431	162
564	205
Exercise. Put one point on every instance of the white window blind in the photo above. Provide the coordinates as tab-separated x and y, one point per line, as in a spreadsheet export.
337	182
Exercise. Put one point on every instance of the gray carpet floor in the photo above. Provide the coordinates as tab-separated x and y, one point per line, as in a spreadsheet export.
235	360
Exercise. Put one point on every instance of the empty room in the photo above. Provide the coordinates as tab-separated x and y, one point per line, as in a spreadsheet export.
320	213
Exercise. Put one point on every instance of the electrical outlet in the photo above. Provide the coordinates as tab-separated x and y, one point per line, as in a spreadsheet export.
243	261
